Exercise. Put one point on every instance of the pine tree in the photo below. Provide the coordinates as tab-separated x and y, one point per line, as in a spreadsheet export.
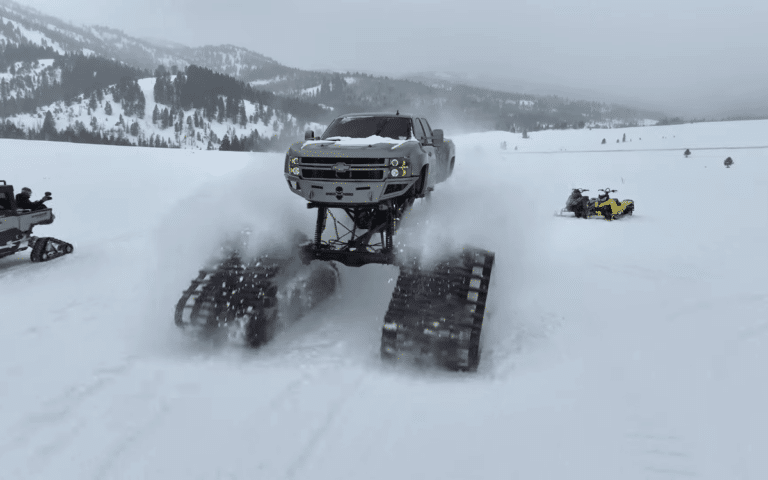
135	128
159	88
141	103
225	146
49	127
235	144
155	115
231	108
92	105
243	116
221	113
108	108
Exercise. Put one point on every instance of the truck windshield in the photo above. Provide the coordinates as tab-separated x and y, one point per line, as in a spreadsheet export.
398	128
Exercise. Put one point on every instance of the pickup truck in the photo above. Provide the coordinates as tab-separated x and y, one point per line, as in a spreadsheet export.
369	158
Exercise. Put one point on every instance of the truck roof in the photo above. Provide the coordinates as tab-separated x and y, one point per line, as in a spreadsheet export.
379	114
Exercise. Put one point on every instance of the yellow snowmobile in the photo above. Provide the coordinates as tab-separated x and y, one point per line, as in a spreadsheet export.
601	207
609	208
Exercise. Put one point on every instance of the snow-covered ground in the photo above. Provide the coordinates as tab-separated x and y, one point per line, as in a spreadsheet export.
634	349
730	136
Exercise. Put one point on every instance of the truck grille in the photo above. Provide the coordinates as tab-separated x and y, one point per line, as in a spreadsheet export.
357	174
348	161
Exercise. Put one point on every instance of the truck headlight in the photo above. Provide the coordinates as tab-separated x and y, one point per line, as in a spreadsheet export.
394	172
394	162
295	170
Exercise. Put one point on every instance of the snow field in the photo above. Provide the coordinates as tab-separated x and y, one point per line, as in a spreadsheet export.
633	349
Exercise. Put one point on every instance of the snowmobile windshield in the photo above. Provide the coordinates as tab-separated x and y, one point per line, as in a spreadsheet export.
398	128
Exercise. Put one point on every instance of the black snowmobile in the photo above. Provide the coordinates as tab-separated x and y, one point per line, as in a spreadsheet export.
16	229
601	207
361	191
577	203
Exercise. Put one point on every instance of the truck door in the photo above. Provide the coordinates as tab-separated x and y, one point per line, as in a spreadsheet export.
437	164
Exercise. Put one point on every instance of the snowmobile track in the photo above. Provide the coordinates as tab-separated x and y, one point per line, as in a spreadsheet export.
48	248
438	312
232	292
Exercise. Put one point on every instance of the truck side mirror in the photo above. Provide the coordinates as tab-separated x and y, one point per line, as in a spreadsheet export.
309	135
437	137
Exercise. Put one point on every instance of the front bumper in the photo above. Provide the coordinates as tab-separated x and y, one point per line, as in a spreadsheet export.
334	192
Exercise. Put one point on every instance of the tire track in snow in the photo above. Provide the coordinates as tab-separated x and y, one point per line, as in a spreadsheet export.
662	455
332	414
41	437
149	424
58	409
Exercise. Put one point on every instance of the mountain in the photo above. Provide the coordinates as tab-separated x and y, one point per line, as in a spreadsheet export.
46	64
38	28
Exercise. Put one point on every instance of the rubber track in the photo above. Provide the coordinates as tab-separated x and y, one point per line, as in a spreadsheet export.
232	291
438	313
54	247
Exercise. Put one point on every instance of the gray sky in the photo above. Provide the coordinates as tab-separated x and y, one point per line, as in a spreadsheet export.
688	57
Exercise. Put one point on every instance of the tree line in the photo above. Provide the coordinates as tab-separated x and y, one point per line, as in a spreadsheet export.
70	76
221	97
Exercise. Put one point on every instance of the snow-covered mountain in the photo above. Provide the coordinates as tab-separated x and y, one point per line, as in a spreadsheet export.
470	108
29	25
635	349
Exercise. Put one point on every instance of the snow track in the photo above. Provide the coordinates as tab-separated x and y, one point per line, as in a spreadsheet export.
633	349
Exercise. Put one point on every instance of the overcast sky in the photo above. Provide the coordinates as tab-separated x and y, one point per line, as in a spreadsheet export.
689	57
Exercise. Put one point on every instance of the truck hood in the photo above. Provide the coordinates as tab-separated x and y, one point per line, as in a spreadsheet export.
372	143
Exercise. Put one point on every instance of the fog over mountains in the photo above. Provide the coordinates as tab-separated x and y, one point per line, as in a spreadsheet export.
44	60
686	58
